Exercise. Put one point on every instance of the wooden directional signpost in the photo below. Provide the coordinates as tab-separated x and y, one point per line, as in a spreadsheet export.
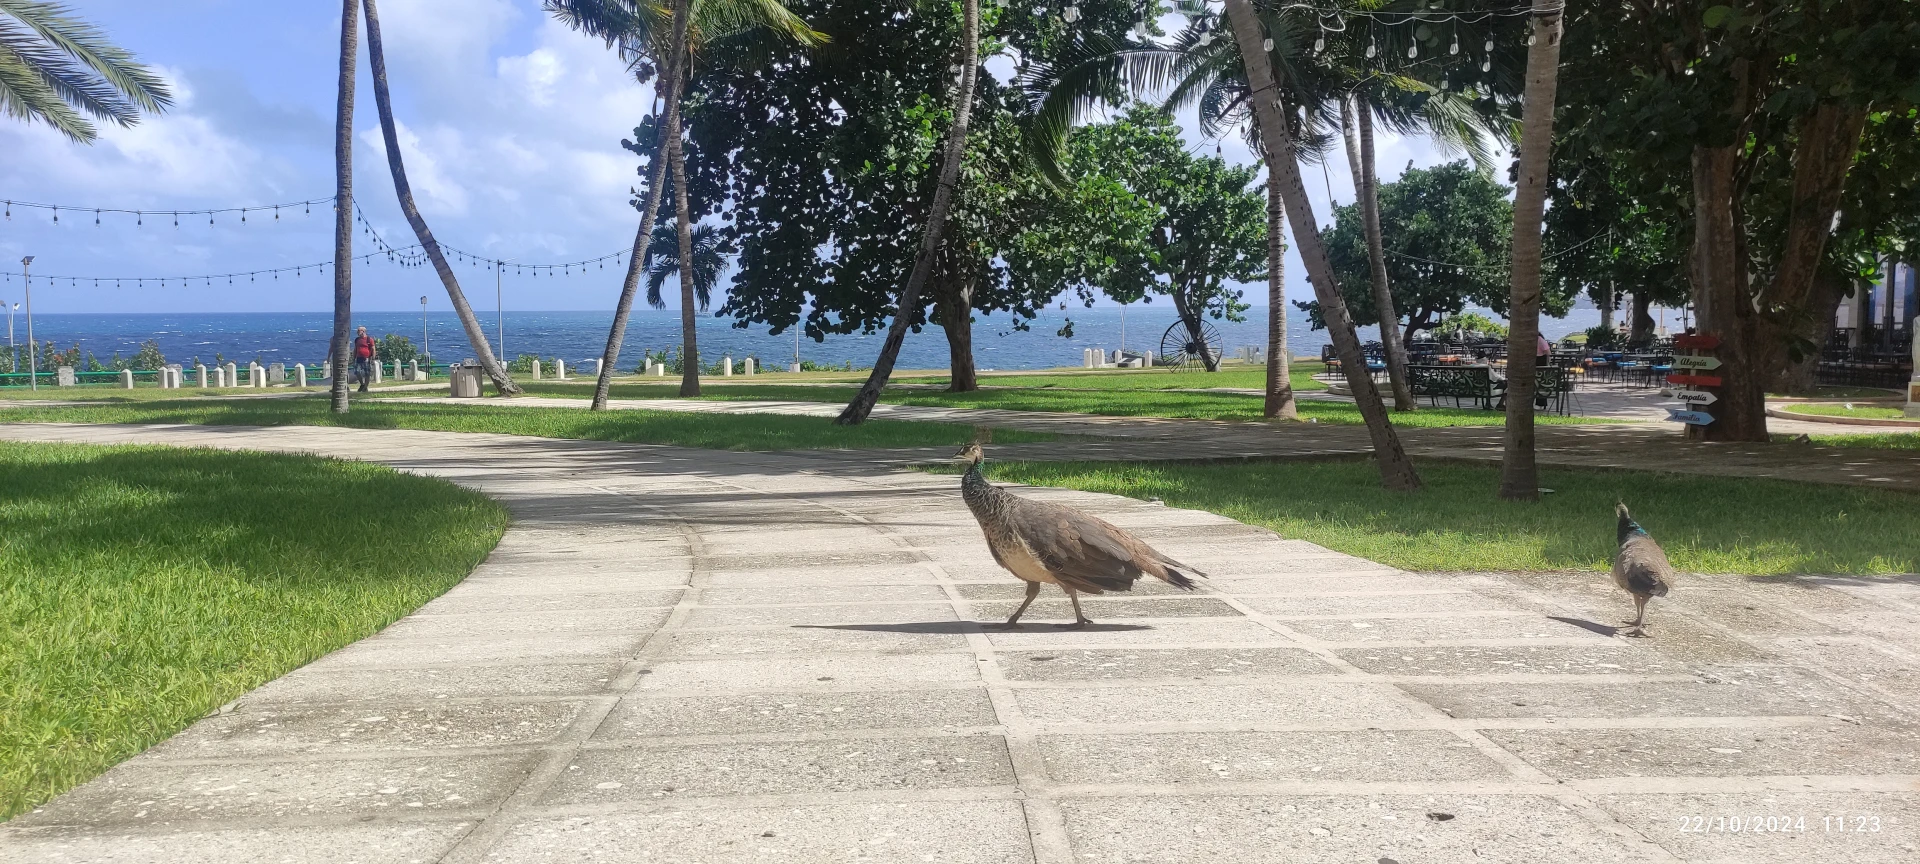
1692	372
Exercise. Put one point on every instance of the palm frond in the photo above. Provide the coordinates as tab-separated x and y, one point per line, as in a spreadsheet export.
1090	73
717	19
24	94
111	74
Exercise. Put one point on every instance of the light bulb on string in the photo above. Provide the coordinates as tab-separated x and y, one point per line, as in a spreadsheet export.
1070	14
1489	43
1265	45
1413	50
1455	48
1371	48
1320	44
1530	37
1486	65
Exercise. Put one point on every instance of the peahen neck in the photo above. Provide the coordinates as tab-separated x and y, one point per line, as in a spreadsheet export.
1628	528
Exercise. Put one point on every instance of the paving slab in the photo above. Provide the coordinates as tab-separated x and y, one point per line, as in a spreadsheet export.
686	656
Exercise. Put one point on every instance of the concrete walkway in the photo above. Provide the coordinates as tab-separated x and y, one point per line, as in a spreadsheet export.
1641	446
689	656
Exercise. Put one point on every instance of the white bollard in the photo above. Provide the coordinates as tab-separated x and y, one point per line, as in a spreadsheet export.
597	366
200	375
658	370
126	379
536	370
1086	358
793	367
254	378
747	366
377	377
230	376
300	374
1100	358
1149	359
726	366
559	369
326	369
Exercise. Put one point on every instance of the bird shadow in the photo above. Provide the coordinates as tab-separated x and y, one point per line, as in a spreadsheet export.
964	627
1584	624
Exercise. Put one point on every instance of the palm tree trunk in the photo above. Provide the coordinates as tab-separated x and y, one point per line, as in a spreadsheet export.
476	336
649	208
1519	476
956	146
1396	471
1366	181
689	336
1280	402
343	204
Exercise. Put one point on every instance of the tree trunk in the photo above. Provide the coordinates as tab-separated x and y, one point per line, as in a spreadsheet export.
1641	325
1795	377
1366	188
649	208
1396	471
1280	402
476	335
689	331
342	205
956	316
1519	476
956	146
1722	303
1606	305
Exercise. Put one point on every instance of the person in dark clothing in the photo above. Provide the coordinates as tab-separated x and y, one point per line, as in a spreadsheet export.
363	350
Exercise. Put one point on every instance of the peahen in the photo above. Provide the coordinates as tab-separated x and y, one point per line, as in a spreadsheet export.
1640	568
1047	543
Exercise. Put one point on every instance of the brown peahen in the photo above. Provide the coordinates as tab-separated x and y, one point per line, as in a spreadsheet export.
1050	544
1640	569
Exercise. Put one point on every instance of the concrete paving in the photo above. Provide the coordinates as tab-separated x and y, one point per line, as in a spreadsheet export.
691	656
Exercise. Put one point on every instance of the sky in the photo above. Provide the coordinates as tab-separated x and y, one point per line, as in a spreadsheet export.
510	124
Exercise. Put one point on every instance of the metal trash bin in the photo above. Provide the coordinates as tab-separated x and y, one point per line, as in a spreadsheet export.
465	380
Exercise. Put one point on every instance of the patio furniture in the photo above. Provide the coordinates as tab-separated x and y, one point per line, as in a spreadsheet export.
1470	383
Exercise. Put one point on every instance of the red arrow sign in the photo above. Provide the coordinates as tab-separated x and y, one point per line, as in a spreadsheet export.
1694	380
1700	341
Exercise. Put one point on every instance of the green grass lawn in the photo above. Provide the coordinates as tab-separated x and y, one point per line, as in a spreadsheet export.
711	431
142	587
1706	524
1254	377
1856	411
1877	441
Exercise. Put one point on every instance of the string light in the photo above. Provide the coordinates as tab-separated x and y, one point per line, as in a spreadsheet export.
139	215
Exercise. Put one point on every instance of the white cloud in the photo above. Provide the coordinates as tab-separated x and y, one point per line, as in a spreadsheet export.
434	191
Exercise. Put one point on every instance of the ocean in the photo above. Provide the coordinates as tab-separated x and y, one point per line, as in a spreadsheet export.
577	337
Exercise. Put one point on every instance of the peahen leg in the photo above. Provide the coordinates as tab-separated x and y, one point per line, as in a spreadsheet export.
1033	590
1079	620
1639	627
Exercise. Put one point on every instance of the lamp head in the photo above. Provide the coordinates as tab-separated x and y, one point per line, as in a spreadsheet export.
26	261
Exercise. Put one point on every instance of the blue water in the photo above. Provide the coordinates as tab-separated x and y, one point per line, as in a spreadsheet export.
579	336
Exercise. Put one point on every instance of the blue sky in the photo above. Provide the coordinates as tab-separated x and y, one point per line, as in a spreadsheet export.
510	123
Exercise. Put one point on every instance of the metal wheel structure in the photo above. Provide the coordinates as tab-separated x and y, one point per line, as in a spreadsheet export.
1180	352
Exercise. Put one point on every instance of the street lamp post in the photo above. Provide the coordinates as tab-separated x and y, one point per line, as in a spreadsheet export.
33	357
10	311
425	348
500	308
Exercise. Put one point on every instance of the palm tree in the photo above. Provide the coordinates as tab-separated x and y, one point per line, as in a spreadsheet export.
476	335
1519	476
1396	471
709	261
955	147
633	25
54	67
343	203
1279	402
1223	78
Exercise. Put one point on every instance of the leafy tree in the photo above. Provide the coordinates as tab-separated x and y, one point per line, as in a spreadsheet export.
1451	214
1619	235
1205	228
831	171
149	356
1761	110
394	346
54	68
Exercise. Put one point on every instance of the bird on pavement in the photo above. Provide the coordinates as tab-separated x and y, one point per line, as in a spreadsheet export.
1640	568
1051	544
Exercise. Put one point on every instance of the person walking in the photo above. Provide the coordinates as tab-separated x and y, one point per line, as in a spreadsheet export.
363	350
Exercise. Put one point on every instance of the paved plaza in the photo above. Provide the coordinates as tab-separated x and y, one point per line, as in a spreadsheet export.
694	656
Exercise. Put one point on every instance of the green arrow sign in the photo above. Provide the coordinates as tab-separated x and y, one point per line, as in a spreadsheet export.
1693	362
